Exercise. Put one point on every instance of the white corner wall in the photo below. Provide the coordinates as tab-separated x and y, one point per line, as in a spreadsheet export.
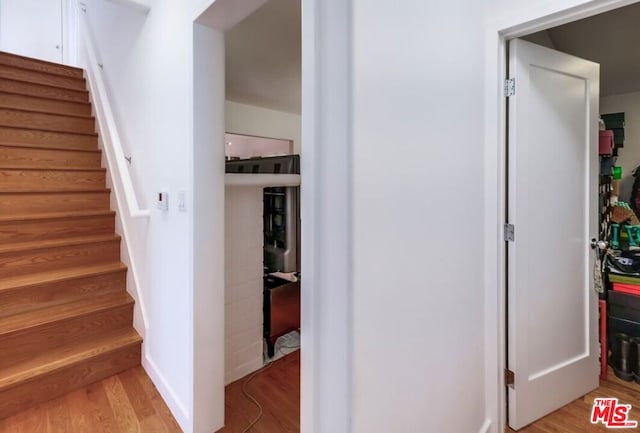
629	155
418	342
263	122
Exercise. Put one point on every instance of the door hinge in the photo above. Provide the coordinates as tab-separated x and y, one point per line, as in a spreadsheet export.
509	378
509	87
509	233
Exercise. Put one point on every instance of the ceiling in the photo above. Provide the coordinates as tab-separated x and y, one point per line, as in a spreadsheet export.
263	57
610	39
263	53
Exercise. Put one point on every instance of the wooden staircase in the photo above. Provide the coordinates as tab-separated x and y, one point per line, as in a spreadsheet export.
65	316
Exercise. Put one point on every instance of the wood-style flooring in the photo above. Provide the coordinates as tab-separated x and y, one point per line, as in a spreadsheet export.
129	402
277	388
124	403
575	417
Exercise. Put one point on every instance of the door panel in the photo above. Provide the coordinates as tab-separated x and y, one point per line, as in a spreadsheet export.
553	341
32	28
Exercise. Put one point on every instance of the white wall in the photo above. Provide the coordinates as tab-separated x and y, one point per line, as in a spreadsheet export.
400	255
417	286
629	155
148	68
263	122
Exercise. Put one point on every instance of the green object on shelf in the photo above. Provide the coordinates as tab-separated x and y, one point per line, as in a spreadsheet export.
617	172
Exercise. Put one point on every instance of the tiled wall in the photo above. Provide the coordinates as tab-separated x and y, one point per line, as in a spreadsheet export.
243	281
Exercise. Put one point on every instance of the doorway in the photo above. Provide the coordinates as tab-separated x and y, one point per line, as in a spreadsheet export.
502	30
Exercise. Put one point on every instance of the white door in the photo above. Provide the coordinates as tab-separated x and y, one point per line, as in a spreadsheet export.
32	28
552	202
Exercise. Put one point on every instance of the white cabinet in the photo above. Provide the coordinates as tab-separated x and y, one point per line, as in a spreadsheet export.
32	28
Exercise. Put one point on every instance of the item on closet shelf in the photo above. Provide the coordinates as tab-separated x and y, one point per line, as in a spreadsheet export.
625	279
289	276
631	289
617	172
615	231
621	361
606	165
625	263
622	213
630	231
615	187
606	143
598	284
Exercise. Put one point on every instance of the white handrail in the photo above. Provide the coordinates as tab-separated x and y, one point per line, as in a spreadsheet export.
121	178
107	125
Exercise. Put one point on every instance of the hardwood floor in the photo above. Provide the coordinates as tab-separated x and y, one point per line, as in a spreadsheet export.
575	417
128	402
124	403
277	388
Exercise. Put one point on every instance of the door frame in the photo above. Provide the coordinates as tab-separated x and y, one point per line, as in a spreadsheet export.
506	24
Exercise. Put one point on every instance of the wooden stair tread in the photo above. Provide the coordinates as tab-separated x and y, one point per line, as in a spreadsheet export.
72	71
8	92
49	113
42	77
28	128
60	149
66	356
32	318
93	170
50	86
58	275
74	169
52	243
56	215
54	191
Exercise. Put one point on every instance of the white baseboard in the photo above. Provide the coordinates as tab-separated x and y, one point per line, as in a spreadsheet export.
486	427
242	370
177	408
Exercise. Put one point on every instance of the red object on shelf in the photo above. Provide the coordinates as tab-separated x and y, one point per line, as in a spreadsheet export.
606	143
631	289
603	339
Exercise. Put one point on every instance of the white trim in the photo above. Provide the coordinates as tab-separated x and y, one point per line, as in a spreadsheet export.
265	180
326	215
119	175
485	426
107	125
502	27
178	408
143	6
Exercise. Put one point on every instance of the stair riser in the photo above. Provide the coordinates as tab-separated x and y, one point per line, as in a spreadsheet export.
48	180
45	139
40	66
35	230
55	384
26	262
31	89
21	204
23	102
22	157
11	73
46	122
27	343
24	299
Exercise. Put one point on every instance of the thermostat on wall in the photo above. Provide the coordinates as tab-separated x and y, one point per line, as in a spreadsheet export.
163	201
